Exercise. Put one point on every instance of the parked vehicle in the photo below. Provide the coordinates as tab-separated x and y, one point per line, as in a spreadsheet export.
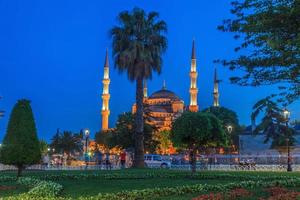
156	161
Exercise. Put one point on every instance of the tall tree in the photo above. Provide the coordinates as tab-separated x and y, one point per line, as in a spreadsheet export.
123	134
270	49
67	143
138	43
164	142
227	118
195	130
272	124
20	145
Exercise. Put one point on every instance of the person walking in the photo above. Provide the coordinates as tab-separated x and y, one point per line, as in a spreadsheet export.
123	159
99	159
107	161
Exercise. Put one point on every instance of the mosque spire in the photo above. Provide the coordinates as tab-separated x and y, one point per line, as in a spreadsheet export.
193	50
216	90
164	85
105	94
145	89
193	75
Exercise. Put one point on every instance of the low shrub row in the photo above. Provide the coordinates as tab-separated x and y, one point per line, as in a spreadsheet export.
7	178
40	188
165	174
181	190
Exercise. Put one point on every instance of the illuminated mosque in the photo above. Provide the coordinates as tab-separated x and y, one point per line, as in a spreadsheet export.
163	106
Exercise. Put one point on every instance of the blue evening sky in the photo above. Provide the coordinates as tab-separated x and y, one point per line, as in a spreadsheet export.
52	52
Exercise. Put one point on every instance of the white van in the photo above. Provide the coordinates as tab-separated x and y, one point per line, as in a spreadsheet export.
156	161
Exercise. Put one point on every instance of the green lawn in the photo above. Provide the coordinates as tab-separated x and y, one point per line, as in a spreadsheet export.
12	192
91	187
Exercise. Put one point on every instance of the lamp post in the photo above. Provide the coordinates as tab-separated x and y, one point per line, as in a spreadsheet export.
87	134
286	116
229	129
48	153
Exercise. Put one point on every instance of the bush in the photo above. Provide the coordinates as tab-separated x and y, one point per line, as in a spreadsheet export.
40	188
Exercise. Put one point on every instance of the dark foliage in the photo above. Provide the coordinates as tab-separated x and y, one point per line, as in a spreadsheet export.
20	145
138	43
270	49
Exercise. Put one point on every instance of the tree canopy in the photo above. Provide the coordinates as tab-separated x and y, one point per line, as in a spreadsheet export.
66	142
270	49
20	145
227	118
138	43
272	125
123	134
194	130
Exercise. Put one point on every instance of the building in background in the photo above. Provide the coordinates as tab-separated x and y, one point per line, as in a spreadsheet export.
250	144
164	106
105	112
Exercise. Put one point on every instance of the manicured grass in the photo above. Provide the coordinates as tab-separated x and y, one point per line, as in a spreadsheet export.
91	187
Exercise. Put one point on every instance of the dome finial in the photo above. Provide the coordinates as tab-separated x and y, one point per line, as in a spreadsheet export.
164	85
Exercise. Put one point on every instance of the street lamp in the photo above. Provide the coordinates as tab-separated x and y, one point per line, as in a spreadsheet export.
87	134
286	116
229	129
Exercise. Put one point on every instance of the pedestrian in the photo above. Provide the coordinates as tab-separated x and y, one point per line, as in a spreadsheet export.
99	159
123	159
107	161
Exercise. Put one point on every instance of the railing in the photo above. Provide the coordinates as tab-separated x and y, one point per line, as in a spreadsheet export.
218	167
211	162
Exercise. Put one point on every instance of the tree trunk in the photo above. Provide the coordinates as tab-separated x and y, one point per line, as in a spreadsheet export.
193	160
138	161
20	168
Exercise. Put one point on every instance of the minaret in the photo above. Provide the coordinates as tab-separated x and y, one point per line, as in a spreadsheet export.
145	89
216	90
164	87
193	89
105	95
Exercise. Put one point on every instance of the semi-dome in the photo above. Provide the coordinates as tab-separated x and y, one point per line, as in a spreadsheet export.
164	93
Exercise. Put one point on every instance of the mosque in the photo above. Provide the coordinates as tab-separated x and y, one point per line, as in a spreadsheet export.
163	106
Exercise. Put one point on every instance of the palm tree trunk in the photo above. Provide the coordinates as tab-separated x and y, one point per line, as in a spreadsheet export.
138	161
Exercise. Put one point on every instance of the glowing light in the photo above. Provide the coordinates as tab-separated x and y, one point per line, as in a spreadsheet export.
229	129
86	132
286	114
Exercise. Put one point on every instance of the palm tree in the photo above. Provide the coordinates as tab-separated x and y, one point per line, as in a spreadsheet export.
66	142
138	43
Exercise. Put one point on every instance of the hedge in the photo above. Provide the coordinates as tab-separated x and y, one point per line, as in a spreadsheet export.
169	175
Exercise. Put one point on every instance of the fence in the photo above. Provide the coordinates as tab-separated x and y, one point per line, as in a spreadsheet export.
211	162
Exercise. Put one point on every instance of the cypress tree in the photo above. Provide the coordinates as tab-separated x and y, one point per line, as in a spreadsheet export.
20	145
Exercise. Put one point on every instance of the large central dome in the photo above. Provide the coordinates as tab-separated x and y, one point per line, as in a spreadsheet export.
164	94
